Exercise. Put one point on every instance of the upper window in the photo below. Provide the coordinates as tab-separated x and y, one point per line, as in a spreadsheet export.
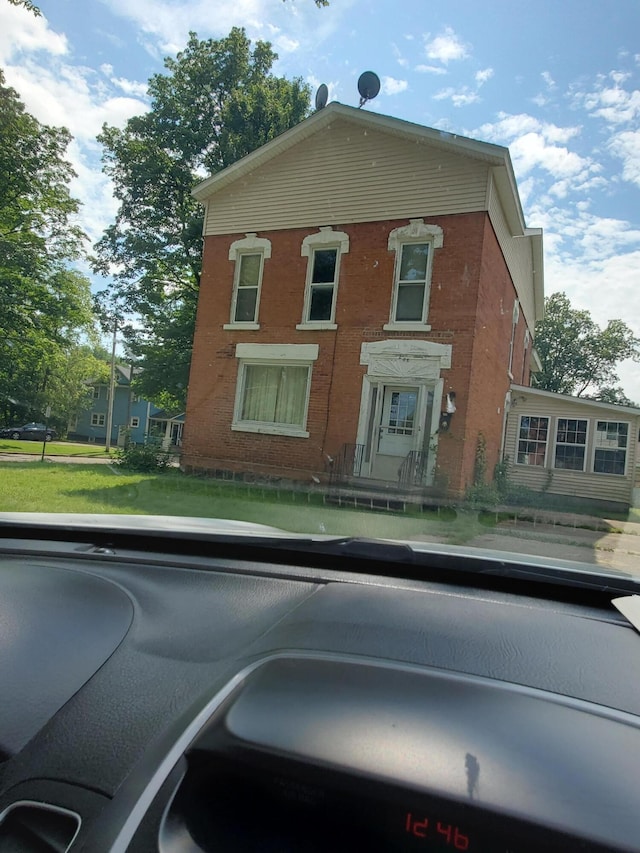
571	442
532	440
413	245
247	286
96	392
249	255
324	249
272	395
610	447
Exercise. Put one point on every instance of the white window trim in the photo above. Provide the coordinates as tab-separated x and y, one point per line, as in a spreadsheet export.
96	392
131	422
415	232
294	355
251	244
549	420
325	238
594	448
587	437
97	416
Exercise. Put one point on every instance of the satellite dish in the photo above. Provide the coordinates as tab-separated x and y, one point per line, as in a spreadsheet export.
368	86
321	96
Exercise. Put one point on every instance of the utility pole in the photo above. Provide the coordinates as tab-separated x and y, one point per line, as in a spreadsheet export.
112	386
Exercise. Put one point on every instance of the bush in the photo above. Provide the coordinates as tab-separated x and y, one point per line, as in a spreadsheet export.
143	457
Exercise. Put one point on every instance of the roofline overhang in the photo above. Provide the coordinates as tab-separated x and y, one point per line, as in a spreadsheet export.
632	411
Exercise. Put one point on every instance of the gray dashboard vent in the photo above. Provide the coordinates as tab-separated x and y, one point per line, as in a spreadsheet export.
30	827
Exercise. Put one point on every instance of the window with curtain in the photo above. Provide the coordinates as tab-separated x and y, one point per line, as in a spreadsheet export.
275	394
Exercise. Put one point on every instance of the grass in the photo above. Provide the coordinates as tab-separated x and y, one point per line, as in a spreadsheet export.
53	448
50	487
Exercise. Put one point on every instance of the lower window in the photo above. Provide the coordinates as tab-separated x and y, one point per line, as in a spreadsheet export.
571	442
610	453
97	419
532	440
274	395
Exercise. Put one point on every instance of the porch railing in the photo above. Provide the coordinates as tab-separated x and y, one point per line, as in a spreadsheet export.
347	464
413	470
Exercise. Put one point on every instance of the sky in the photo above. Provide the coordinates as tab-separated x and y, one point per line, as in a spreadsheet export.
557	81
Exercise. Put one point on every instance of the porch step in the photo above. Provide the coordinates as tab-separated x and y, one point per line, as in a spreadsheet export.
386	497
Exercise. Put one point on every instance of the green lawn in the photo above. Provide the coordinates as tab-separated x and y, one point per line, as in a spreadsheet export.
55	487
53	448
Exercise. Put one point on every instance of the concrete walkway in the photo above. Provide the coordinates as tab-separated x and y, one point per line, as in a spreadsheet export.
75	460
608	549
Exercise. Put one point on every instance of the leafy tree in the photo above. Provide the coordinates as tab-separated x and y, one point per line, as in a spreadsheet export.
31	7
217	102
578	357
45	308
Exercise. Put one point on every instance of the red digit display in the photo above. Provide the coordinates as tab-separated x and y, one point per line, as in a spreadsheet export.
423	827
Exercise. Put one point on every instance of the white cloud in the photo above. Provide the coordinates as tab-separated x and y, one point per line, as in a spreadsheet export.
21	31
588	256
609	100
292	27
458	97
533	150
446	47
430	69
400	59
284	43
626	146
129	87
548	79
510	126
391	86
481	77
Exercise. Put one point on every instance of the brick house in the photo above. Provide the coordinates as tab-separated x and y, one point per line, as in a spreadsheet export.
363	277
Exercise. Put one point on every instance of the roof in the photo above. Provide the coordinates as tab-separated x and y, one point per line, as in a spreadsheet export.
163	415
633	411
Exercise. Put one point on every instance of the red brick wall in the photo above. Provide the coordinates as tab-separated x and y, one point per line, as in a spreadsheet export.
467	270
490	378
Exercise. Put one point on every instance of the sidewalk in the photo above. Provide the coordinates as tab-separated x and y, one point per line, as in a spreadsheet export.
35	457
567	539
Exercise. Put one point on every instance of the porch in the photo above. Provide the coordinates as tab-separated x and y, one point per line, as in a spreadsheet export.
349	486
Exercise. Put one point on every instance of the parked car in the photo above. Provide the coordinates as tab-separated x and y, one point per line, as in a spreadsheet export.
29	432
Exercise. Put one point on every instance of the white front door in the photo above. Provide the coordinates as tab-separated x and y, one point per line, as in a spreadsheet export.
396	431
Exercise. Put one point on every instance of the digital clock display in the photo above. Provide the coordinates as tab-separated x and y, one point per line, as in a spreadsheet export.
276	805
430	829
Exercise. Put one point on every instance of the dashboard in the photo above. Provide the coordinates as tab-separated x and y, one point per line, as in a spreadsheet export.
180	692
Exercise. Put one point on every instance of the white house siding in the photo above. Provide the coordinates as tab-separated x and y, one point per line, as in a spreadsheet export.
517	254
581	484
345	173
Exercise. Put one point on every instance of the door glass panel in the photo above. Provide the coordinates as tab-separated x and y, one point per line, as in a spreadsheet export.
402	412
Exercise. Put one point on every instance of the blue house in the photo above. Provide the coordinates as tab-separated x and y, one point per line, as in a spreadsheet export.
130	413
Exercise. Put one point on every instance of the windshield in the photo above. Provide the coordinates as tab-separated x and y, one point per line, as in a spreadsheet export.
339	268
